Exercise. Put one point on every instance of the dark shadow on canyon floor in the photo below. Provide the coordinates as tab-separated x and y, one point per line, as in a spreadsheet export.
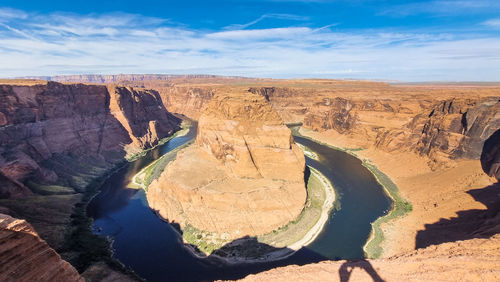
469	224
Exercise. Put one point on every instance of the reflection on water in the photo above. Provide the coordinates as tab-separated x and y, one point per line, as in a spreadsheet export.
151	248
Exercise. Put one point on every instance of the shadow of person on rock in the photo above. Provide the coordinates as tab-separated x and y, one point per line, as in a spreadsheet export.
348	267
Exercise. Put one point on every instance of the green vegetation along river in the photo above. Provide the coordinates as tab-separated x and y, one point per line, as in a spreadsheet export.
154	250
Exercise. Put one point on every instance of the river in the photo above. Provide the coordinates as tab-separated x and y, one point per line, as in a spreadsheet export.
151	248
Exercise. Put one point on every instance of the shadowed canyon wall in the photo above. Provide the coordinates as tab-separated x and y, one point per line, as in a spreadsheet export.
42	126
56	142
490	157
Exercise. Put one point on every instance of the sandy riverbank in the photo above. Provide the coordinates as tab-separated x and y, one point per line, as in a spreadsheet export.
435	195
325	212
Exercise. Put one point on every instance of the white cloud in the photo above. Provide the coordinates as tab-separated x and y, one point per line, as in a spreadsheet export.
260	34
8	13
65	43
268	16
492	23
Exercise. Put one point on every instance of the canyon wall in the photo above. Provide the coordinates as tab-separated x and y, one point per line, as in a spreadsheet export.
186	100
57	141
244	176
44	126
441	129
26	257
440	122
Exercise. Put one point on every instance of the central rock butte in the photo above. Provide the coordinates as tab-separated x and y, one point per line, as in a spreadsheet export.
244	176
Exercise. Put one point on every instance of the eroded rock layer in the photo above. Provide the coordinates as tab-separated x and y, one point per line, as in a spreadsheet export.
24	256
45	124
244	175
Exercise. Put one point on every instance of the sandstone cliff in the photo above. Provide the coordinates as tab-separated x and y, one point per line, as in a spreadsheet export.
44	126
26	257
57	140
244	175
186	100
441	129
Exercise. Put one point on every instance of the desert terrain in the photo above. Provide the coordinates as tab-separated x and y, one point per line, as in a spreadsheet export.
438	143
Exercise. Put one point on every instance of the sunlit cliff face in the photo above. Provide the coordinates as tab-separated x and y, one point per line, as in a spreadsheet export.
243	160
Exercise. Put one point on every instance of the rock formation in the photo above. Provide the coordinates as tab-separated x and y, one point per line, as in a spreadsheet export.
58	139
186	100
490	157
244	175
26	257
441	129
338	117
457	128
42	122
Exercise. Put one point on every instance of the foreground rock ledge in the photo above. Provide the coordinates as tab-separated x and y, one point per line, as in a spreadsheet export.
244	176
24	256
469	260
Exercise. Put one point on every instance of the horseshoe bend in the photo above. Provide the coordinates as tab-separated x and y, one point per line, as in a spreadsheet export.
244	176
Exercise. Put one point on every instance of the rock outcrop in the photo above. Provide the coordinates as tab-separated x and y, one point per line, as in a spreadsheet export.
490	157
186	100
45	124
457	128
26	257
243	176
452	128
338	116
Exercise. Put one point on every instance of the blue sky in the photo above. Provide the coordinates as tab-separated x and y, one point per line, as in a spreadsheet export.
389	40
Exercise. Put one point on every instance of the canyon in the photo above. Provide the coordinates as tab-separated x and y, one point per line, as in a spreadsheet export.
439	143
57	142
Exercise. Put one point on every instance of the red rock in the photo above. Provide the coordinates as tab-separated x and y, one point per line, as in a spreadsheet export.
24	256
244	176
